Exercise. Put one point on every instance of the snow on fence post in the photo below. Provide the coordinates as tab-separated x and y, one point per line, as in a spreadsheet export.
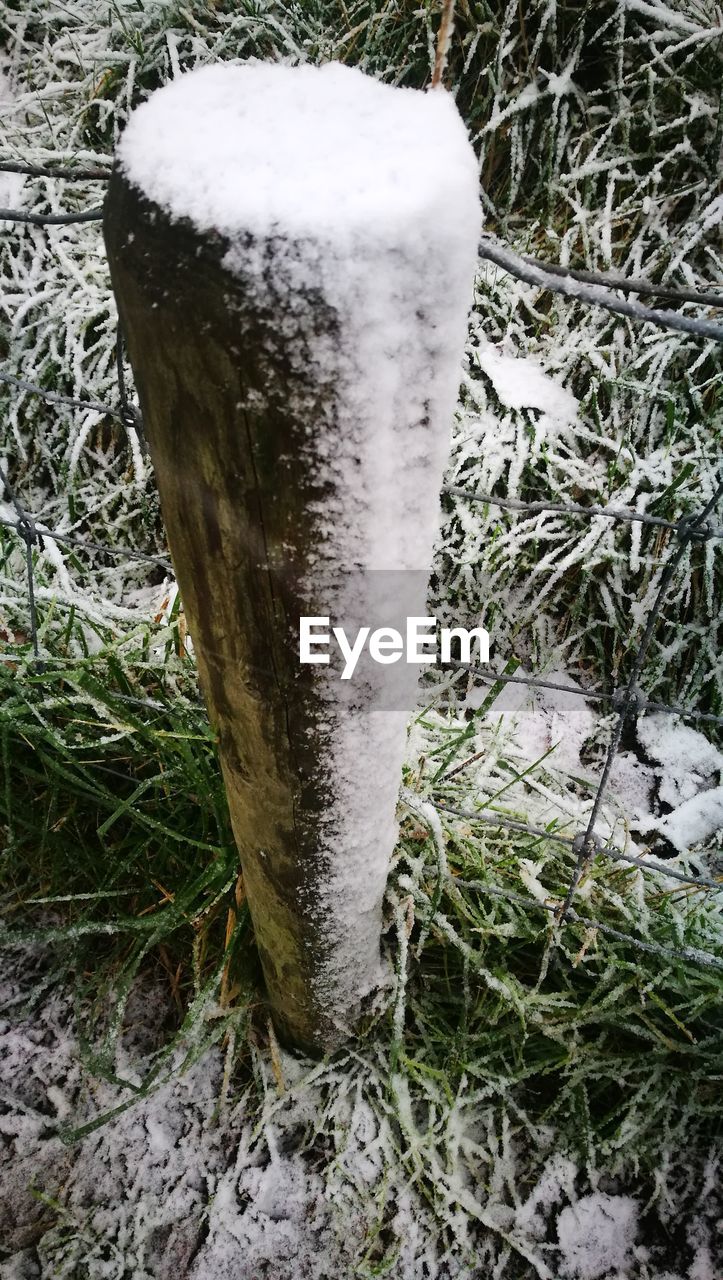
292	252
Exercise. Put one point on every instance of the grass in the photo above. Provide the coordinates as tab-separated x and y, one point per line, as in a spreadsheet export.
120	861
117	855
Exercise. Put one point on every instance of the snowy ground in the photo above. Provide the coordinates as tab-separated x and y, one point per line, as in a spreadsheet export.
183	1183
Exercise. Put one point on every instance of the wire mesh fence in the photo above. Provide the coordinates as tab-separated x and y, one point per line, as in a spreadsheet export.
625	701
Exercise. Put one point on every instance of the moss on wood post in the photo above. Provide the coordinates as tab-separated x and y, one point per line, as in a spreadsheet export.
227	426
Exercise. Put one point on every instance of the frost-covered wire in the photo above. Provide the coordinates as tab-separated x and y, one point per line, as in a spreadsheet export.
627	284
50	219
575	509
604	850
52	397
40	531
493	250
691	955
616	697
570	916
52	171
630	698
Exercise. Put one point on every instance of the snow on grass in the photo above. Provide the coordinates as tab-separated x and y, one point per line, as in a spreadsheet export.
597	1236
311	1174
695	821
169	1186
544	720
11	184
672	787
522	384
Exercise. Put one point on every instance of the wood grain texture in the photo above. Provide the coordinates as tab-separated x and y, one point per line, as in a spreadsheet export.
227	420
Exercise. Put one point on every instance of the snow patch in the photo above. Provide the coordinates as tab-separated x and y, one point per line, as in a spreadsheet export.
689	760
678	792
544	720
597	1235
694	821
522	384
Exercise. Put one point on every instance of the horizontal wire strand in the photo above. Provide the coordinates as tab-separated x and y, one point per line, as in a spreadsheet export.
54	398
604	850
688	954
574	509
627	284
124	553
493	250
50	219
592	695
53	171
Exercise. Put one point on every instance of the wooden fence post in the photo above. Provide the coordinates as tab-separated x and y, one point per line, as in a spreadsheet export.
285	368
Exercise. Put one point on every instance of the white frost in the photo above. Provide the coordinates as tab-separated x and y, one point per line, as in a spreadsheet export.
694	821
545	720
689	760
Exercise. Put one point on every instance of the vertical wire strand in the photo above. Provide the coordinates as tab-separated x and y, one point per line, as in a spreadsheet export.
686	531
28	532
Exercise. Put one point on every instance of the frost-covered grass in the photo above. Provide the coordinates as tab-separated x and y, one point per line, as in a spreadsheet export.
507	1075
509	1071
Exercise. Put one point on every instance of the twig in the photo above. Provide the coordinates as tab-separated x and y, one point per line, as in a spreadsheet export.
444	37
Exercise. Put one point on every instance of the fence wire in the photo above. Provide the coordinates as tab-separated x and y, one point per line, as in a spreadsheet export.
591	288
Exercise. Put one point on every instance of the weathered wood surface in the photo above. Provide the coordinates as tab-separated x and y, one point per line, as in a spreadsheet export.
227	420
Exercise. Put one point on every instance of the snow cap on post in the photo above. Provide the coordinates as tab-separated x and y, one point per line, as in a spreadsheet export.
324	152
295	294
